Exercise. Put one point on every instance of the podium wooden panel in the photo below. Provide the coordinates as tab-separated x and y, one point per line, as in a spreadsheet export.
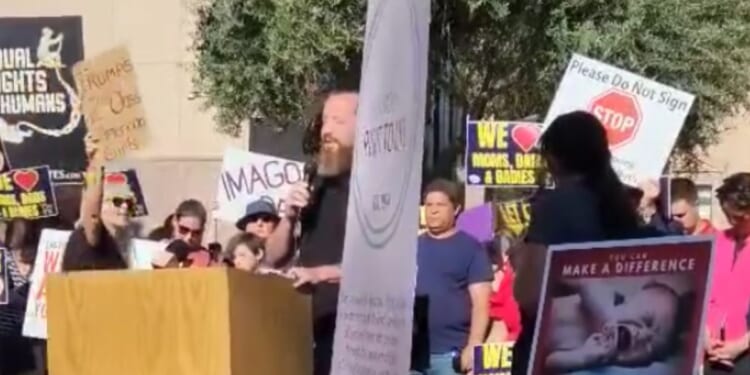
177	322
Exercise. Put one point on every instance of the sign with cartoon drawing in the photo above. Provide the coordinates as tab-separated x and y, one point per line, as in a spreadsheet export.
39	106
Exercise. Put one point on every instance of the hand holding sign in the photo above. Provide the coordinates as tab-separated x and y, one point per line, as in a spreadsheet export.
248	176
91	143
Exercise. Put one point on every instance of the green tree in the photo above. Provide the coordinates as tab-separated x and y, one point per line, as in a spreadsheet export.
499	58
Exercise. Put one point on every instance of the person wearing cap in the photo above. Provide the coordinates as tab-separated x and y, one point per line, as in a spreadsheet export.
260	218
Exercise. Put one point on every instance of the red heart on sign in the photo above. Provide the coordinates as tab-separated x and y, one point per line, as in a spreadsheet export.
26	179
116	179
526	136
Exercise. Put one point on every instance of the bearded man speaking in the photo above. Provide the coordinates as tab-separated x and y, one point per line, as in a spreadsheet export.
320	207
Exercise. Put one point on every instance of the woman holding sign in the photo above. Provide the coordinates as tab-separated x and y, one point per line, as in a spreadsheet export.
589	203
102	237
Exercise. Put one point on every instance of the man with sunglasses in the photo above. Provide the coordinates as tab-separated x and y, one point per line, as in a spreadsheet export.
260	219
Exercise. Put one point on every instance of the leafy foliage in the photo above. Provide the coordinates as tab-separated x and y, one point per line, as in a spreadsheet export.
500	58
267	57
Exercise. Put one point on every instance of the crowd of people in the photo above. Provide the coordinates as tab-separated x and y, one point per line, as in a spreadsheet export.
478	292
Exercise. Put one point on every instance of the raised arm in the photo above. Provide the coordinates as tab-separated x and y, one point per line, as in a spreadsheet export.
93	192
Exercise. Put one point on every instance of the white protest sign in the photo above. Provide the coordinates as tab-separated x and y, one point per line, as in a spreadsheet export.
142	253
642	117
249	176
374	321
48	260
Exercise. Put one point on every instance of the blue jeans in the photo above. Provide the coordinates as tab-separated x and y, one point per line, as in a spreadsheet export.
440	364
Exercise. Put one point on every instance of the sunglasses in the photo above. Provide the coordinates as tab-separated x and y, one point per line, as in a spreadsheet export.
263	218
128	202
183	230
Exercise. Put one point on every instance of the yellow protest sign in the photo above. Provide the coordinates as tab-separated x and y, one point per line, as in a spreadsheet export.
514	215
500	153
493	359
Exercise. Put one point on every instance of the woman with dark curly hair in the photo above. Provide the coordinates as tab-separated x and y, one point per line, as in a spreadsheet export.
727	336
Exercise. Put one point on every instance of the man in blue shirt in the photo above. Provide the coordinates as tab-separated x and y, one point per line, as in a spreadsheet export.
455	274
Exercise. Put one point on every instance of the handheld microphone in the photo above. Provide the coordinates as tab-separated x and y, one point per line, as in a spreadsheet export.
310	173
180	249
311	178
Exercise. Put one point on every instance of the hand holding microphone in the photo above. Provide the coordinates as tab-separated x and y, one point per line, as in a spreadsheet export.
299	195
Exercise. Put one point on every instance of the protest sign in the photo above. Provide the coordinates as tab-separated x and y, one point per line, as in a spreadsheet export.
143	253
515	215
125	184
27	194
479	222
249	176
111	102
493	359
4	277
642	117
500	153
611	306
48	260
40	123
375	319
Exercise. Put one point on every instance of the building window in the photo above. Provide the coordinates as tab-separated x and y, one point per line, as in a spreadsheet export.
705	200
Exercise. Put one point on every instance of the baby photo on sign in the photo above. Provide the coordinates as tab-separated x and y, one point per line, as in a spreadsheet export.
630	322
621	310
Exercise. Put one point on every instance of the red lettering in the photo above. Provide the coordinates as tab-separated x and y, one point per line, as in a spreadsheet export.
51	260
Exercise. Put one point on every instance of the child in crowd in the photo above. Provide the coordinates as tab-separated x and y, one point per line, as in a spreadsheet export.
504	311
245	252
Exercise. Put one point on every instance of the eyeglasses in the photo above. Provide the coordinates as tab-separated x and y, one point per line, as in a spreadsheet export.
183	230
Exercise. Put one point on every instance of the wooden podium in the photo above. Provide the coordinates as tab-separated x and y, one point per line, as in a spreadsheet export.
177	322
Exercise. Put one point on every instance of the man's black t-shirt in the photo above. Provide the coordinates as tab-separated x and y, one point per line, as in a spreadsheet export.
80	256
322	241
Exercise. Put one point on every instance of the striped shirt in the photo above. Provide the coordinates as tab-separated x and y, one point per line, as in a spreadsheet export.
12	315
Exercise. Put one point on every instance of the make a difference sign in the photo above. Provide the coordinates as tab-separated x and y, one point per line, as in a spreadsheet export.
642	117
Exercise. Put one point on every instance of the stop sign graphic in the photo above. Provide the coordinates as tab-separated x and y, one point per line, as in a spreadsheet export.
619	113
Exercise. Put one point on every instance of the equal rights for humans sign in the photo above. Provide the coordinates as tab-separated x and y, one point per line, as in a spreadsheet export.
642	117
40	122
249	176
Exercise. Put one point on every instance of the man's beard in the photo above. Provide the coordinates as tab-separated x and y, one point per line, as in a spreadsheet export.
334	161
